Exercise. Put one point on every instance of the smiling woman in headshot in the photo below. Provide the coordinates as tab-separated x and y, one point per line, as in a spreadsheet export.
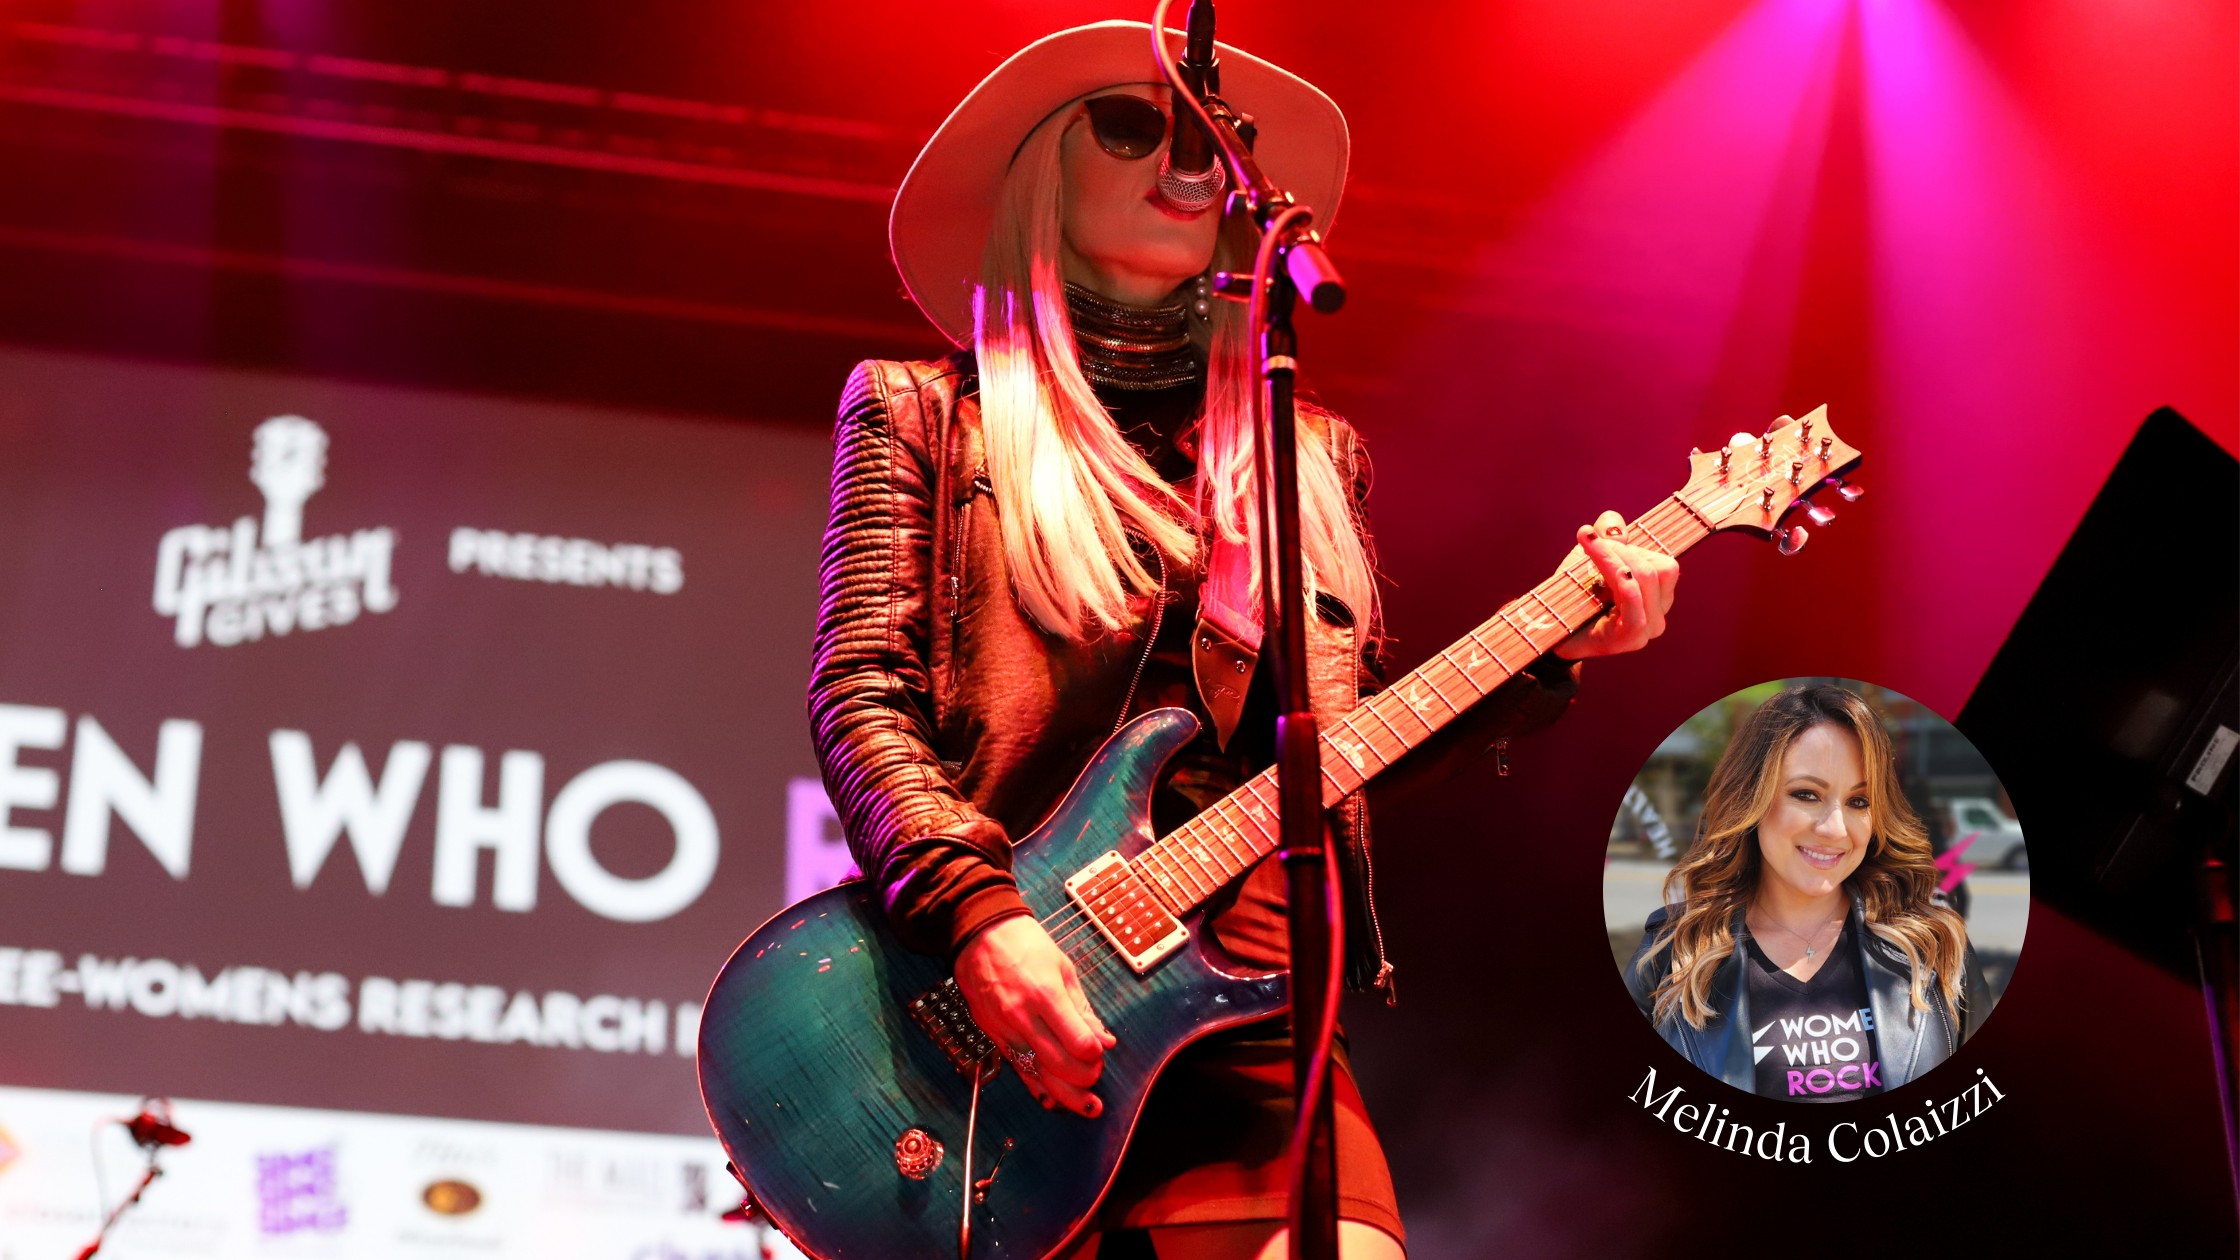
1808	956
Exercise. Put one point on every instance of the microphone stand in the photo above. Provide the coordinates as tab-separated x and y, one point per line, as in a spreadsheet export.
145	1180
1290	264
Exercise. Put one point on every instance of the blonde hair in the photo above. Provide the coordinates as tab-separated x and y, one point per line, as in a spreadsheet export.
1071	488
1719	874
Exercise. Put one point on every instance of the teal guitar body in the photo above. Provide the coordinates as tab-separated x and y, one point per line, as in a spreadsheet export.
834	1062
814	1069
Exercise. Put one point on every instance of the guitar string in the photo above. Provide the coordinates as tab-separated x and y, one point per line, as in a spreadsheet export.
1678	512
1089	960
1073	920
1076	920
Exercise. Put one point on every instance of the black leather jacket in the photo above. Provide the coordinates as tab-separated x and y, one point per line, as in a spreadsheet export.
1908	1040
947	722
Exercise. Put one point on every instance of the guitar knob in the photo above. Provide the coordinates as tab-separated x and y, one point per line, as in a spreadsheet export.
916	1154
1791	540
1821	516
1851	493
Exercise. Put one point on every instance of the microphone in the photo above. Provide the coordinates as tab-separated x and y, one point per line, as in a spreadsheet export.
1191	176
151	1130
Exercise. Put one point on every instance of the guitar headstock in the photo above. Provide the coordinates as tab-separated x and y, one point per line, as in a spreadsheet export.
1753	482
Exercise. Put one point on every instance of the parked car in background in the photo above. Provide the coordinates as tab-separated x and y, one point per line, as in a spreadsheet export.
1998	842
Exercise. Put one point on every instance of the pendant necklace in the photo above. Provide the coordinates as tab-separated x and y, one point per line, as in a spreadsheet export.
1809	950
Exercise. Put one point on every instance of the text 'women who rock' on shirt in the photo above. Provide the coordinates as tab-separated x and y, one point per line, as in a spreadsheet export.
1813	1040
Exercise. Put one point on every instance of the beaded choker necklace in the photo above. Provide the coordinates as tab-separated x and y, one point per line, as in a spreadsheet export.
1129	347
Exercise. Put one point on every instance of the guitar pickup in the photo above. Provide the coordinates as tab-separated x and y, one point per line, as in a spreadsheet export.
1126	912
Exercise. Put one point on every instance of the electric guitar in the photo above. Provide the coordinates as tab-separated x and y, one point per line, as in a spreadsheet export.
861	1106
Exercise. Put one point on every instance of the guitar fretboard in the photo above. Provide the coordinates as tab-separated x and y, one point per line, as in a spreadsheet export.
1192	862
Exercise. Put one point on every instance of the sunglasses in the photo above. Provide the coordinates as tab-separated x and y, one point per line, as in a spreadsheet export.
1127	127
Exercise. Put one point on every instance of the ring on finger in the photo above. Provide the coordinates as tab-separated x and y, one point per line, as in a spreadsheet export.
1023	1062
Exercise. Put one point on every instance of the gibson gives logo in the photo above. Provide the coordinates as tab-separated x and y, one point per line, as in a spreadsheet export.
227	585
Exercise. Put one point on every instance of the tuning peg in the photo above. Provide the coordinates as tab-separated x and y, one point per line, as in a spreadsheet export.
1851	493
1821	516
1791	540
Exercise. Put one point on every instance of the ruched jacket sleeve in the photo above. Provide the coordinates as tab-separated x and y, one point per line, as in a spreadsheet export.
941	866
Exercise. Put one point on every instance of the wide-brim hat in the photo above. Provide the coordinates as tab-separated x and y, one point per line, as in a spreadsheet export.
945	205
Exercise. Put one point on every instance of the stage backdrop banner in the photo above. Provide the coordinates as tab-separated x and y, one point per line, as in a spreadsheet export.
389	751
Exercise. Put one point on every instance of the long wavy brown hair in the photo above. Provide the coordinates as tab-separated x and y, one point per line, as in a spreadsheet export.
1718	876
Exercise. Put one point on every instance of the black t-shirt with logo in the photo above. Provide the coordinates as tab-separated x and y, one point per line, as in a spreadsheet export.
1813	1040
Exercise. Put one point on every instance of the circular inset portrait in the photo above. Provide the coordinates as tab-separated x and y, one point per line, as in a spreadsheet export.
1816	890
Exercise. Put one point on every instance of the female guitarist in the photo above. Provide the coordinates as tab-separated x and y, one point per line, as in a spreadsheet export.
1050	532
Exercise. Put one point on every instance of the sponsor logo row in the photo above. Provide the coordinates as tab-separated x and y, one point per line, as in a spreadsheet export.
368	1186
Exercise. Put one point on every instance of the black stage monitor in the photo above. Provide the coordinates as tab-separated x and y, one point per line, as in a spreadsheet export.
2109	712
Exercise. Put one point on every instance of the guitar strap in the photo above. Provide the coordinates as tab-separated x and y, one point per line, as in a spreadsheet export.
1226	644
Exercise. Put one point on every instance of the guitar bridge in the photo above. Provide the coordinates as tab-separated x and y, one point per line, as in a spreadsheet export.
1122	906
942	1012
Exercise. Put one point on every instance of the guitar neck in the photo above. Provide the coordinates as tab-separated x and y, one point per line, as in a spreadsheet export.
1192	862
